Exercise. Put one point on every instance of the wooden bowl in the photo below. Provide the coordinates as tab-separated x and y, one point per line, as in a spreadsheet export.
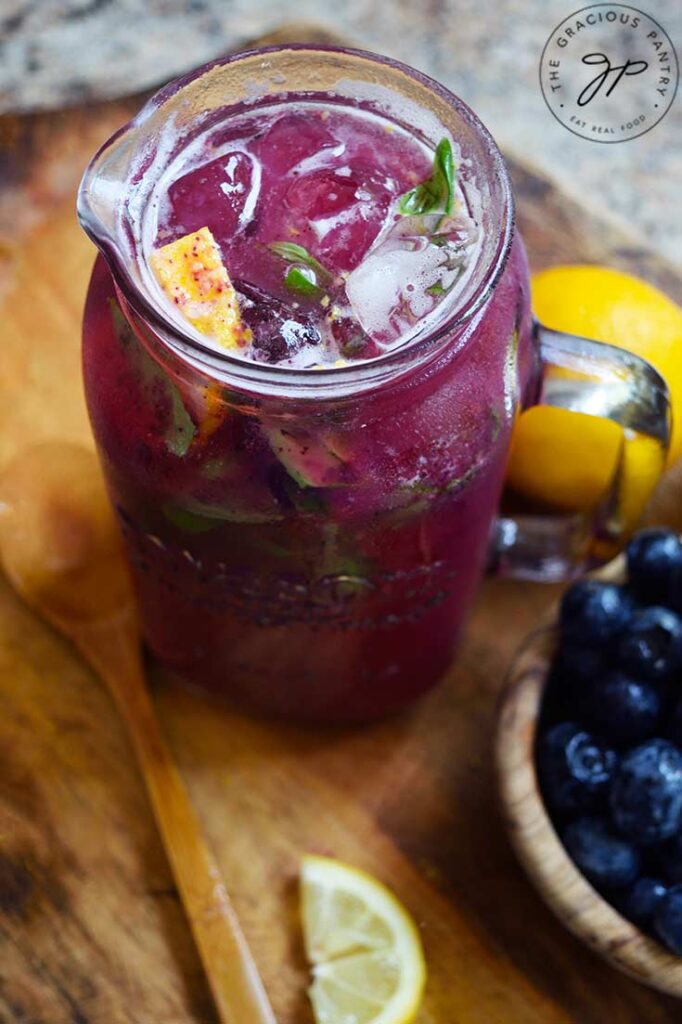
563	887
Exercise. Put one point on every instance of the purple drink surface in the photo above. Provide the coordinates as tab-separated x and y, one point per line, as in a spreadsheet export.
329	181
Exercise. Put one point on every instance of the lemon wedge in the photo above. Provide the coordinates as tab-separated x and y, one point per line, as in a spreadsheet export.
192	274
364	948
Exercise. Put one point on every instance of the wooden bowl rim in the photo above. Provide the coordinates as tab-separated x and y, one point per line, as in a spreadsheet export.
562	886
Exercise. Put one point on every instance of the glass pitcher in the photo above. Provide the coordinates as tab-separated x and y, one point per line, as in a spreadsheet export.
308	544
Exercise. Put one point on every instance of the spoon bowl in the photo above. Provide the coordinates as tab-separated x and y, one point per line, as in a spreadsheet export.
59	544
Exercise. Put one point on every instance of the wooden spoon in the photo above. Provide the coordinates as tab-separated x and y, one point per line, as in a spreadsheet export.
60	549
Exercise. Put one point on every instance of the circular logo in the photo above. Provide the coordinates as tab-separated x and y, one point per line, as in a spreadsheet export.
609	73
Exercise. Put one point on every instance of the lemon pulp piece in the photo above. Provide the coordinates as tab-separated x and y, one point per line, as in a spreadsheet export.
193	276
366	954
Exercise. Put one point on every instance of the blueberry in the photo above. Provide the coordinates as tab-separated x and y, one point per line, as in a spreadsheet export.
577	664
668	919
575	770
277	331
573	670
655	566
646	793
666	858
621	709
605	858
639	902
652	647
675	725
593	613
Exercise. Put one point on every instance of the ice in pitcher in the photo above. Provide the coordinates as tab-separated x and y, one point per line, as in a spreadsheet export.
342	235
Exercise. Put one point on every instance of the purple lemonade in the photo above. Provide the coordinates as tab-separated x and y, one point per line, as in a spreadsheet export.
309	208
311	548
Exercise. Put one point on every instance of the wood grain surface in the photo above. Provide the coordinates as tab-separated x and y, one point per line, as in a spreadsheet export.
91	931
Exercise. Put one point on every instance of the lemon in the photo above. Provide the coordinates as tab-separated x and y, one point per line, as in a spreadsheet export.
191	272
567	459
366	954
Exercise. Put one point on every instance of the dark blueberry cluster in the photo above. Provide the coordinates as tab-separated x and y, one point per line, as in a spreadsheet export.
609	750
278	332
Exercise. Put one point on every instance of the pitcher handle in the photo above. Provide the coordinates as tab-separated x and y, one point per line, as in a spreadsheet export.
600	380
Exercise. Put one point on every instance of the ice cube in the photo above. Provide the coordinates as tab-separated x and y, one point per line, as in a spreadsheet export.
345	239
221	195
387	291
291	139
321	194
415	262
345	211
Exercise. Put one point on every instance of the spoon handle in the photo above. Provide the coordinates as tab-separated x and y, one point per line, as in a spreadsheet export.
232	974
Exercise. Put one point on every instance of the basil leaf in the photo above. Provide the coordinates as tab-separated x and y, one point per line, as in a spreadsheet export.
437	193
439	289
297	281
307	501
200	518
190	522
341	565
181	428
293	253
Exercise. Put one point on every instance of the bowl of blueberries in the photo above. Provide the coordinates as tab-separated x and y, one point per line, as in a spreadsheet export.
589	758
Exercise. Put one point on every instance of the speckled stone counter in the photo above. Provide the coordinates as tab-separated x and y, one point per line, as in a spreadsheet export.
57	52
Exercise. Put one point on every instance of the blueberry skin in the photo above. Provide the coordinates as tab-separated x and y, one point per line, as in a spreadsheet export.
605	858
666	858
654	560
651	649
577	664
639	902
622	710
646	792
593	613
675	725
573	671
574	768
668	919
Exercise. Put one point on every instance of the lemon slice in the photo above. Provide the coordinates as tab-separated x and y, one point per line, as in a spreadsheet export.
191	272
366	954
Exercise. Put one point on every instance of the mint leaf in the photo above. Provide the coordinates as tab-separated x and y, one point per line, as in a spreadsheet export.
200	518
190	522
297	281
438	288
437	193
122	329
293	253
181	428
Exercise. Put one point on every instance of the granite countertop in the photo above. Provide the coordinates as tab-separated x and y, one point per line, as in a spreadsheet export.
487	51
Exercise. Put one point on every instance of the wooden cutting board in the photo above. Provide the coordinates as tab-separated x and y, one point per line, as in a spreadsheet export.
91	930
